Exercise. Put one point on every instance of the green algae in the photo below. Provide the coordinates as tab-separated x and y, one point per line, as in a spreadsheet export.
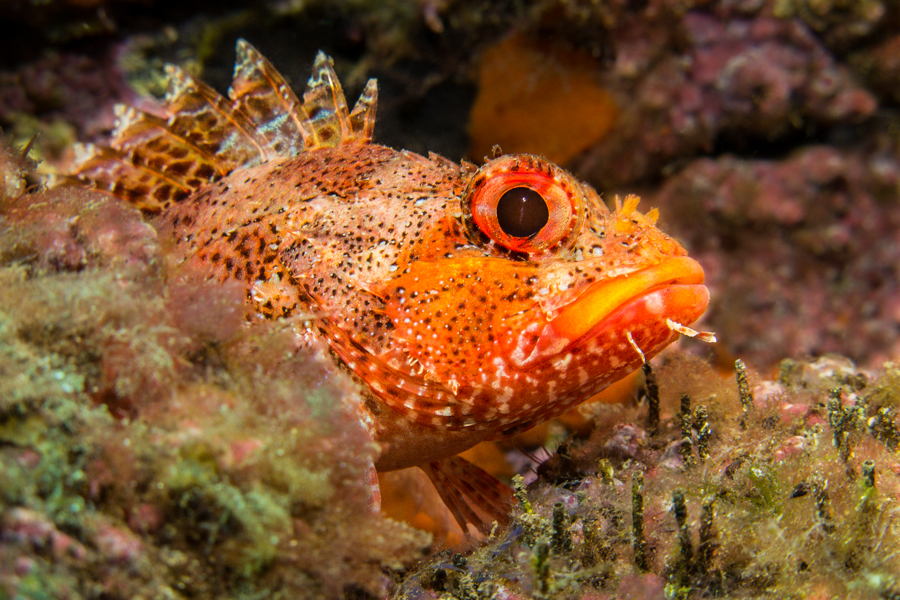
150	449
777	510
765	493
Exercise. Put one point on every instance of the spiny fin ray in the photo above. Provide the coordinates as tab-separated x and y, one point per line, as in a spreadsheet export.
260	93
152	161
326	112
200	114
362	117
152	142
472	495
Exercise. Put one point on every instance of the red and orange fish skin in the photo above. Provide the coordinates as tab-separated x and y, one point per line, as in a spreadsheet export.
374	252
396	264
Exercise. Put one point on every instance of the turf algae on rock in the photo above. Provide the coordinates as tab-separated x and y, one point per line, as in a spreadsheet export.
774	510
149	453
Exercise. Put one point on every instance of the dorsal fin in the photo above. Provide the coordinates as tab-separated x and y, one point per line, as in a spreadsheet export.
326	111
260	93
153	161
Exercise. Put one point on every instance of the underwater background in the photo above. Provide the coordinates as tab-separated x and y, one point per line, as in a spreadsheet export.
152	447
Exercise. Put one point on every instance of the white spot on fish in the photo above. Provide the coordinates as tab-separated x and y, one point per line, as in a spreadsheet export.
654	304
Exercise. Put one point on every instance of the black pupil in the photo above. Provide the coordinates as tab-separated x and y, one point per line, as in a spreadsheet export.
521	212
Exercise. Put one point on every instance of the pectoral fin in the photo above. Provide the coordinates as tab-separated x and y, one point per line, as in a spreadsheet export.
472	495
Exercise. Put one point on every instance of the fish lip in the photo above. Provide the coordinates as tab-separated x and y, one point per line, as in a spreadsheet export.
584	316
602	298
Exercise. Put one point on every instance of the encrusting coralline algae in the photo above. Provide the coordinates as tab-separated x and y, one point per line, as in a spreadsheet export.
154	446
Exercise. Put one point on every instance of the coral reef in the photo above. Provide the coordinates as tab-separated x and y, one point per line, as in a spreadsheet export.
719	77
63	97
881	68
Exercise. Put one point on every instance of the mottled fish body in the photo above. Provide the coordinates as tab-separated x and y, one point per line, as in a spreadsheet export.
470	303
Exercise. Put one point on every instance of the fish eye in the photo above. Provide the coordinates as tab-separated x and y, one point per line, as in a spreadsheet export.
525	204
522	212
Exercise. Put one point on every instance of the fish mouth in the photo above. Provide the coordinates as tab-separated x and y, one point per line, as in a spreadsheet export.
672	290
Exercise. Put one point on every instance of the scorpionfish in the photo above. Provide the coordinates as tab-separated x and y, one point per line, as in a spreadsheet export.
470	303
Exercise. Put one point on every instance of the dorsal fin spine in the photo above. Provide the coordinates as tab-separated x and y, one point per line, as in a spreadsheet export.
213	99
250	69
324	64
362	117
292	105
153	161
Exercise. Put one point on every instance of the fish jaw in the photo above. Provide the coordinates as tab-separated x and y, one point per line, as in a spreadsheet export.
493	356
671	290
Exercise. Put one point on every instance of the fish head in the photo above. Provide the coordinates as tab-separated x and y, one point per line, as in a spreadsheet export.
529	297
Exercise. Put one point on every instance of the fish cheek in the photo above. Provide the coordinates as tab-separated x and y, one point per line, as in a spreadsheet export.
449	314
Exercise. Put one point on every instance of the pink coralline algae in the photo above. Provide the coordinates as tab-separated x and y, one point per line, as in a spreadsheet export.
797	251
715	75
881	68
79	89
152	444
74	230
761	73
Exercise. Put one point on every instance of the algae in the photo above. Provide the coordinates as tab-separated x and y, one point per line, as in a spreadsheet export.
776	510
149	453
